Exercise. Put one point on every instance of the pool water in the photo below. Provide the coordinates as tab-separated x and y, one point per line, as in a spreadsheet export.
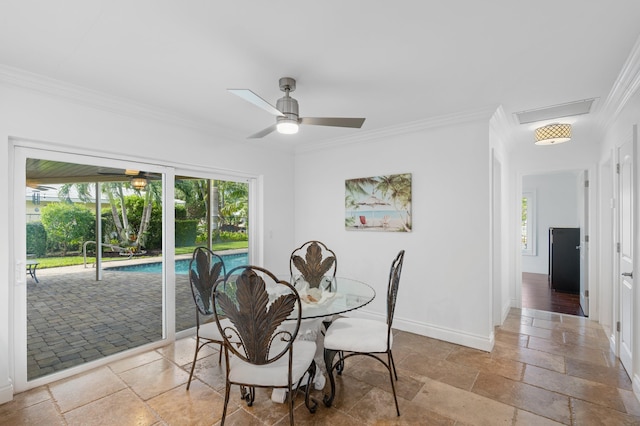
182	265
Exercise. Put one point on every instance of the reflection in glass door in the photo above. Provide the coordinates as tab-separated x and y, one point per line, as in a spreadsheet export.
94	247
212	213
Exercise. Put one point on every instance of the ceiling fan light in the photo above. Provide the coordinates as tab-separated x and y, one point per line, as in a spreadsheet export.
553	134
139	183
287	127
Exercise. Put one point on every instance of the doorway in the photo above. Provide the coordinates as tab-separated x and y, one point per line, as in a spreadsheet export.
549	201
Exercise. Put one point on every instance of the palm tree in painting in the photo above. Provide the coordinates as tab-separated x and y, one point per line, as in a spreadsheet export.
354	190
397	188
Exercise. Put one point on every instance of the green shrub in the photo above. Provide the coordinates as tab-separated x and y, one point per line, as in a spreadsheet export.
67	225
186	232
181	212
36	239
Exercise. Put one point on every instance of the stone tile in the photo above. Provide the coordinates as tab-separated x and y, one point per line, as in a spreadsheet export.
209	371
510	338
81	389
181	352
348	392
526	397
464	406
154	378
121	408
525	418
610	376
593	356
134	361
543	323
440	383
200	405
378	407
631	403
408	343
42	413
25	399
549	316
576	387
420	367
585	413
483	361
587	338
529	356
529	330
374	373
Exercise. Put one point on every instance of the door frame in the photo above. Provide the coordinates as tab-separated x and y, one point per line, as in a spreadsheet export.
20	151
591	211
617	279
17	245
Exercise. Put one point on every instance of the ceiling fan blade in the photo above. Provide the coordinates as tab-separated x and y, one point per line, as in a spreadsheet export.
249	96
333	121
263	132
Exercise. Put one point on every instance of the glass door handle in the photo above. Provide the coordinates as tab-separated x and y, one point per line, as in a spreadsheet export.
627	274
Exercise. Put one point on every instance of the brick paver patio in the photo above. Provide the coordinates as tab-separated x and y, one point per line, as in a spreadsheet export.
72	318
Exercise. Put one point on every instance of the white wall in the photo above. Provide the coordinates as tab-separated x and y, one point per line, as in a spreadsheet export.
445	290
32	113
556	205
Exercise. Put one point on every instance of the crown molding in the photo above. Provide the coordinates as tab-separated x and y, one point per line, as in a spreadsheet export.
405	128
501	128
99	100
624	87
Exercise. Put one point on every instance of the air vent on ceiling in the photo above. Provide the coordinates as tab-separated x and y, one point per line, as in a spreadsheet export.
555	111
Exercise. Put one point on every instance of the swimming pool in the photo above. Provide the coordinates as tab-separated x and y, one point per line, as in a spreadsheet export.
182	265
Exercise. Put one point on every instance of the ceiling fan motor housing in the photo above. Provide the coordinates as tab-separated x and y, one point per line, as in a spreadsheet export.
289	107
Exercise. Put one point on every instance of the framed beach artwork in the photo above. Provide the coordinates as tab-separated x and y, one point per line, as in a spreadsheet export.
378	203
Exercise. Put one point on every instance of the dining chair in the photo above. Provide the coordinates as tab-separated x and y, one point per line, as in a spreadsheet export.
347	337
205	268
259	351
315	263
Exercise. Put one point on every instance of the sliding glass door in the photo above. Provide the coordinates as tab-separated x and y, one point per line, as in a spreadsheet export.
90	278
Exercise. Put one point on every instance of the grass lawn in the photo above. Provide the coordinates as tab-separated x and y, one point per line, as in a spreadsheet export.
54	262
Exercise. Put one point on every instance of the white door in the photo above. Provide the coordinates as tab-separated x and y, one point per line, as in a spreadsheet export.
583	213
625	280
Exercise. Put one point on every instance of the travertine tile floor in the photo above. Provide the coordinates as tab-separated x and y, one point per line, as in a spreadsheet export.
545	369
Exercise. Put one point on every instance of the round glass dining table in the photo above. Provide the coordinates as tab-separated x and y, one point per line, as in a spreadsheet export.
339	295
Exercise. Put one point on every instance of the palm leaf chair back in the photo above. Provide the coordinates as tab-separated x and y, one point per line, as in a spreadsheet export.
317	267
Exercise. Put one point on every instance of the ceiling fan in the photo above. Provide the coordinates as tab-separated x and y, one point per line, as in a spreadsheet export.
286	112
139	179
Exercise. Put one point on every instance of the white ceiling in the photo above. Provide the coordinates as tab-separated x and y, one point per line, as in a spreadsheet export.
391	62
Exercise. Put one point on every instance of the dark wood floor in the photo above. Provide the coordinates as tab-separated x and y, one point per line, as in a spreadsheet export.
536	294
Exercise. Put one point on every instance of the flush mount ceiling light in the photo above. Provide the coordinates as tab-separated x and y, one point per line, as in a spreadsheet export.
553	134
139	183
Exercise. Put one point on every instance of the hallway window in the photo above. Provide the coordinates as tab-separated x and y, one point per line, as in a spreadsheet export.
528	235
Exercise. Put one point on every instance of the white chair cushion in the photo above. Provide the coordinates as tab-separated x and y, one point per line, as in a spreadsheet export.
274	374
357	335
210	330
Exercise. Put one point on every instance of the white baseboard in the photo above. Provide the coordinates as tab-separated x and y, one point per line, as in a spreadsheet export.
6	393
636	386
484	343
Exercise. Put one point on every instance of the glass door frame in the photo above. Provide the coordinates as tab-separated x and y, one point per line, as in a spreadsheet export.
254	251
21	150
